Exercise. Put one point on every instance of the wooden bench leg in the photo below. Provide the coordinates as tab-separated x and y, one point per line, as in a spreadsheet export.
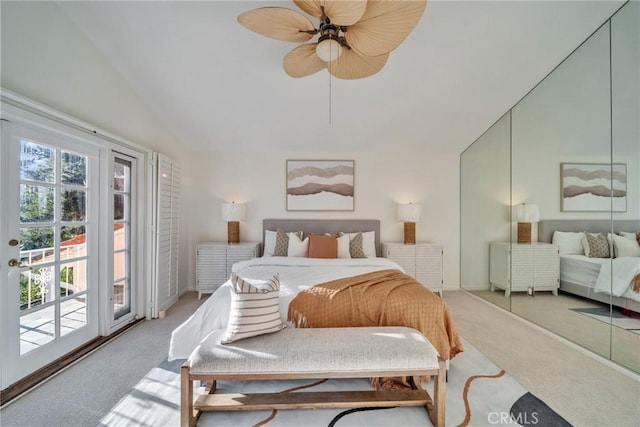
186	399
437	413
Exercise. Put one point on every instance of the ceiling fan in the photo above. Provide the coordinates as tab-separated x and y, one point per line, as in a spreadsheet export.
355	36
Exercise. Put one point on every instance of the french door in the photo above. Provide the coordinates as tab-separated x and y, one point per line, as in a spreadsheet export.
50	205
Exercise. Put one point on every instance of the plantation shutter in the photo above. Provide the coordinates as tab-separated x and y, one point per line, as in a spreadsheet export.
166	238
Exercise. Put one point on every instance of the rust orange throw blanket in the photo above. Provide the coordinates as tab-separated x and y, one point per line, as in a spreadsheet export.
379	298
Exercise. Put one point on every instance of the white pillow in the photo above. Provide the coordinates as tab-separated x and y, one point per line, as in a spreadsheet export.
297	247
568	242
255	308
625	246
368	243
270	241
343	246
628	235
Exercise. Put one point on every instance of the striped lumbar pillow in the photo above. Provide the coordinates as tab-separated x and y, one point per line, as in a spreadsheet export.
255	308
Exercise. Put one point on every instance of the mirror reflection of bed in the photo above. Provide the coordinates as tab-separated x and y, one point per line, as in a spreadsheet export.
587	311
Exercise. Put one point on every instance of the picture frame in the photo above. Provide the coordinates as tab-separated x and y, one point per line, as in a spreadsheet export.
320	185
593	187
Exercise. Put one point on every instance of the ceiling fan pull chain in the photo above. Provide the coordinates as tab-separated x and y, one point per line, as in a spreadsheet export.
329	98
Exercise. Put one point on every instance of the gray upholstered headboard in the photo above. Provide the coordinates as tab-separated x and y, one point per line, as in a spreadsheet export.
548	226
321	226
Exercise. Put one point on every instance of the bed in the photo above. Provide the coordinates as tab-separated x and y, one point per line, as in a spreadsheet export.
607	280
297	274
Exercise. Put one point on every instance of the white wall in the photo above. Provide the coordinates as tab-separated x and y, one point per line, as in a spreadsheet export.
45	58
383	177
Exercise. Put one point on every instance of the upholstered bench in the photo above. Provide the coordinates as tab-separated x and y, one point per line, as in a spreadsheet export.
359	352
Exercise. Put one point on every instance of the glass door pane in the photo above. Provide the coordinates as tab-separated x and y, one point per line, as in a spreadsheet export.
122	202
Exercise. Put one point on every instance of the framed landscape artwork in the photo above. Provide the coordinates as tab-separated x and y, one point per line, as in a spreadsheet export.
320	185
593	187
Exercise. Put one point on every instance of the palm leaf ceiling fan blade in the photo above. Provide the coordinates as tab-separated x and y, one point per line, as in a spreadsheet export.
302	61
278	23
384	25
340	12
351	66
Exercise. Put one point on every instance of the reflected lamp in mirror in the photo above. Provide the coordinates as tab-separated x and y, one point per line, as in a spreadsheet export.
409	213
526	214
233	213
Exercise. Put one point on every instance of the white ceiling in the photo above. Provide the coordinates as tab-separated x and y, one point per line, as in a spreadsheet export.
219	86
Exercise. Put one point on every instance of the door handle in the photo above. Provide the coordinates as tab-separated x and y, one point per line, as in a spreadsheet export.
14	263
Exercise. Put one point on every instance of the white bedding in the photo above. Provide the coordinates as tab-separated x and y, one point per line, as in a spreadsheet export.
580	269
616	276
296	274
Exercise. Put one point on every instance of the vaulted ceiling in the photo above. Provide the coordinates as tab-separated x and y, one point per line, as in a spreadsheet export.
219	86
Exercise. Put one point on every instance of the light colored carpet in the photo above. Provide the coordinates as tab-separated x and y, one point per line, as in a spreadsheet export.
555	314
575	383
582	390
154	401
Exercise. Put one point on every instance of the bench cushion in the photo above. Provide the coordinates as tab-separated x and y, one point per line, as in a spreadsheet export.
309	350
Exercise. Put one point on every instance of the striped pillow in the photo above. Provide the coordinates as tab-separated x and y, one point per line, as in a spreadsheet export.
255	308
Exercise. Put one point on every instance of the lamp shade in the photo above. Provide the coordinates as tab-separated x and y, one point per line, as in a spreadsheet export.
409	212
528	213
233	211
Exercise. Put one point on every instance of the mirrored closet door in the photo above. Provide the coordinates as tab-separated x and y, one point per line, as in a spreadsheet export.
563	161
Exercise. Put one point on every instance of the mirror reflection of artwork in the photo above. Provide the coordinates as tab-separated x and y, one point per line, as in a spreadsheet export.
594	187
319	185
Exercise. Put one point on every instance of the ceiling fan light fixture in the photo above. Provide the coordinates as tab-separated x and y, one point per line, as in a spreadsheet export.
328	49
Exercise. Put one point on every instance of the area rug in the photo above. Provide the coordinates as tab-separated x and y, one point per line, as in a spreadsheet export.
479	393
629	321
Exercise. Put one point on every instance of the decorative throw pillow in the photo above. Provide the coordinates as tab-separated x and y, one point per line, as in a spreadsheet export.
255	308
355	246
626	247
298	247
598	245
323	246
282	243
632	236
628	235
569	242
343	243
368	243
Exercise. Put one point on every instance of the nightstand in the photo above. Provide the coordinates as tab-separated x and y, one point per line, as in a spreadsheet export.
215	259
422	261
524	267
